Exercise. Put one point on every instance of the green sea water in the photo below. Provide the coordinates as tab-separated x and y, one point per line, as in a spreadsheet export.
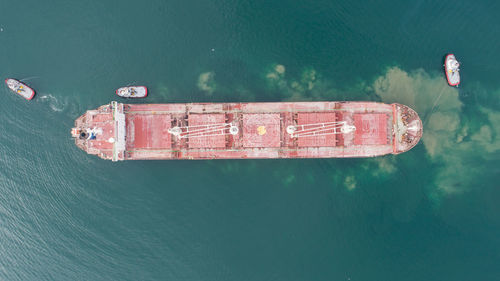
432	213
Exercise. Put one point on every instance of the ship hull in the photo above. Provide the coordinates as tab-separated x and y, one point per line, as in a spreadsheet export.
452	75
20	88
248	130
133	92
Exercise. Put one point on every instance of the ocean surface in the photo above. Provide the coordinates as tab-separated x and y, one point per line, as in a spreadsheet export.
432	213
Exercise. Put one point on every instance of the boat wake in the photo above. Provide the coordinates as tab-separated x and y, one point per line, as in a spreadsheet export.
29	78
54	103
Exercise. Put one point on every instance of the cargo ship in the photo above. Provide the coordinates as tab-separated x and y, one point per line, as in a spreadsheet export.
118	131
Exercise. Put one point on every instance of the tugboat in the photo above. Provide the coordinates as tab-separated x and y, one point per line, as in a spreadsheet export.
20	88
132	92
451	67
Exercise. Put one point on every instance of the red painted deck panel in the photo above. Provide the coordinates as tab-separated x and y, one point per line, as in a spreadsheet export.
315	118
371	129
96	118
207	141
101	141
151	131
267	124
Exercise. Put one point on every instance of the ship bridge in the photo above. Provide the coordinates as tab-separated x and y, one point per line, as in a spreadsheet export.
119	130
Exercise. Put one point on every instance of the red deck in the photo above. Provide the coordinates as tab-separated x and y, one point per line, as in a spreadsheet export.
325	139
101	121
370	129
209	138
259	130
148	131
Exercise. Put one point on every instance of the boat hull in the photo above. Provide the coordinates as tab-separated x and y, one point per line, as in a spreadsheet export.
20	88
247	130
452	75
134	92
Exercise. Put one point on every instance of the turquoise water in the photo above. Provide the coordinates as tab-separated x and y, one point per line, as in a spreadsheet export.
429	214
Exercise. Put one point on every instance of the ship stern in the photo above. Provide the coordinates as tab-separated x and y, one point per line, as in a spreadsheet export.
101	132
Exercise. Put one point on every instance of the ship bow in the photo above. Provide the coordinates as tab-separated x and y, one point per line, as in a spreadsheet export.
407	128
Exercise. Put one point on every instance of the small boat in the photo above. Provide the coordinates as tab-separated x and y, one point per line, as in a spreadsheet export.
132	92
20	88
451	67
